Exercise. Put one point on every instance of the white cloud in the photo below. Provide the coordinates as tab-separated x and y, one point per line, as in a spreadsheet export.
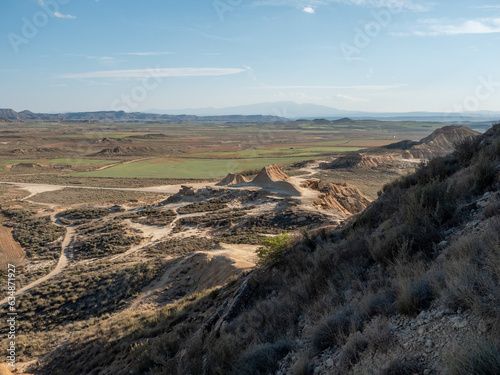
304	4
433	27
308	10
350	98
487	7
372	87
155	72
103	58
147	53
60	15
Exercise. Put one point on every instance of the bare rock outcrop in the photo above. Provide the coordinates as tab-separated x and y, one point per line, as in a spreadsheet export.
345	198
356	160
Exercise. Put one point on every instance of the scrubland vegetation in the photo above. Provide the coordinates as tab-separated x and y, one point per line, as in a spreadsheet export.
36	235
107	239
417	273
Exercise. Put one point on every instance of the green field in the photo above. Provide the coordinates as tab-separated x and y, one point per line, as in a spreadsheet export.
98	135
278	152
96	162
187	168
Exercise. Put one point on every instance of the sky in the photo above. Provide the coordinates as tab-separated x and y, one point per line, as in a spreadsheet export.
366	55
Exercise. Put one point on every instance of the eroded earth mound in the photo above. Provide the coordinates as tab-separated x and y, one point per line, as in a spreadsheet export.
272	177
232	179
356	160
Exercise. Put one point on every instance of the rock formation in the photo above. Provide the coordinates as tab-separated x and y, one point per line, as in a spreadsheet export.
440	143
356	160
232	179
345	198
272	177
121	150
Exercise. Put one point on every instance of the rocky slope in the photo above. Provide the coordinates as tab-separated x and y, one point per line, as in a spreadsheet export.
357	160
440	143
344	198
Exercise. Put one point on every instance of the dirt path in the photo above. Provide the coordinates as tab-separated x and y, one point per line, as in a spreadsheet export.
153	234
35	189
162	189
61	265
168	189
125	162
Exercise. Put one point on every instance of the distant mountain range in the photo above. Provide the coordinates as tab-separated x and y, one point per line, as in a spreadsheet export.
9	115
253	113
292	110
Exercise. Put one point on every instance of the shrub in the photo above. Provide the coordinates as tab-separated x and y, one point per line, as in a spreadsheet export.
264	359
335	329
36	235
415	288
403	367
466	149
432	202
381	303
378	334
212	205
84	213
486	173
436	169
492	209
473	271
351	352
476	358
414	295
151	216
273	248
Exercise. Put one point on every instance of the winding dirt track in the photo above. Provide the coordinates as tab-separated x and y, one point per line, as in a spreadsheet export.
61	265
168	189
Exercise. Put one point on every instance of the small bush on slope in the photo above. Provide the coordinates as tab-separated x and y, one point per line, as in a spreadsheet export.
273	248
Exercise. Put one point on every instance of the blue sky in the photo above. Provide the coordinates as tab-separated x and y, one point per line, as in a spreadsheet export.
370	55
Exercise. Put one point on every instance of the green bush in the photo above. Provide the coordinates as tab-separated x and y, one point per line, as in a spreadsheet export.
273	248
